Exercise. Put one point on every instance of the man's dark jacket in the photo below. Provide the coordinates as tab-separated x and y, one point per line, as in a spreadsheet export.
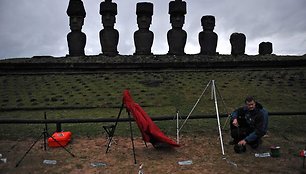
255	120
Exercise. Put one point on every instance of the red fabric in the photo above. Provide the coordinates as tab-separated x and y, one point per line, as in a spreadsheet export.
61	137
149	130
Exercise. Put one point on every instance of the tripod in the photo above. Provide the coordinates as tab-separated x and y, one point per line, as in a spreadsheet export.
46	135
214	92
111	132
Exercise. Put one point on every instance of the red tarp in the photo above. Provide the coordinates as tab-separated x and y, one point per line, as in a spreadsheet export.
150	132
61	137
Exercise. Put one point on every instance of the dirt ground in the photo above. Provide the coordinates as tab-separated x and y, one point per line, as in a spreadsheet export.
203	150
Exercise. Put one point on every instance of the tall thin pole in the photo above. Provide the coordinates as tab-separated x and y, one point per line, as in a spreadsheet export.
45	132
114	128
177	128
132	137
212	91
218	118
304	159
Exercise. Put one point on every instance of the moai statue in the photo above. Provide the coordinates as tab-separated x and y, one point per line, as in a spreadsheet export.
265	48
109	36
143	38
238	41
177	36
76	38
208	38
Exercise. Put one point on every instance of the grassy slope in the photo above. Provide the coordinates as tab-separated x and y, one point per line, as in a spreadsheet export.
160	93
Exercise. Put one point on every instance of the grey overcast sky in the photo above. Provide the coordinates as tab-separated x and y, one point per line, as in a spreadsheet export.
39	27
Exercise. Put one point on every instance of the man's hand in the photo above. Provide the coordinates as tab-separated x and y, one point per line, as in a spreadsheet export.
242	142
235	122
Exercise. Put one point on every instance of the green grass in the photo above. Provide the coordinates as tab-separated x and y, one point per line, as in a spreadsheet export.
281	89
99	95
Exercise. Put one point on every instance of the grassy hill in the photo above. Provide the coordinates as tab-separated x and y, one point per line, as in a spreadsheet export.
98	94
277	89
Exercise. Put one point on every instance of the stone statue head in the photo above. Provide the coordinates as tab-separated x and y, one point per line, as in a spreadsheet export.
76	23
208	22
144	11
108	10
77	13
108	20
265	48
177	11
177	20
238	42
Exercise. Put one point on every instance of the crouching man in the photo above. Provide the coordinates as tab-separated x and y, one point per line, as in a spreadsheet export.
249	123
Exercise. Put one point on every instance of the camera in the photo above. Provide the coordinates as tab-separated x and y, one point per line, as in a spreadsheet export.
239	148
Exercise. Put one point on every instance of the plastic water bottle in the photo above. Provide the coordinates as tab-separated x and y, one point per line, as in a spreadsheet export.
187	162
262	155
49	162
98	164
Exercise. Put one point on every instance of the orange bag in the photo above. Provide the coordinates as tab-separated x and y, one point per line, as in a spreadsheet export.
62	138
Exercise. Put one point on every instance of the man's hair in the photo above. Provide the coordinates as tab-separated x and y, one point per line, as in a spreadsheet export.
249	99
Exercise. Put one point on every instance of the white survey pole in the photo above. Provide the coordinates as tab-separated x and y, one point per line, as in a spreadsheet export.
218	118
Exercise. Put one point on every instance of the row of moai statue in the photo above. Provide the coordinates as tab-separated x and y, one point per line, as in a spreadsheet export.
143	37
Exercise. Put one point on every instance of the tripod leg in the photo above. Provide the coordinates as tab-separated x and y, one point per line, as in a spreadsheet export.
46	130
194	106
132	138
28	150
45	141
60	145
113	132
